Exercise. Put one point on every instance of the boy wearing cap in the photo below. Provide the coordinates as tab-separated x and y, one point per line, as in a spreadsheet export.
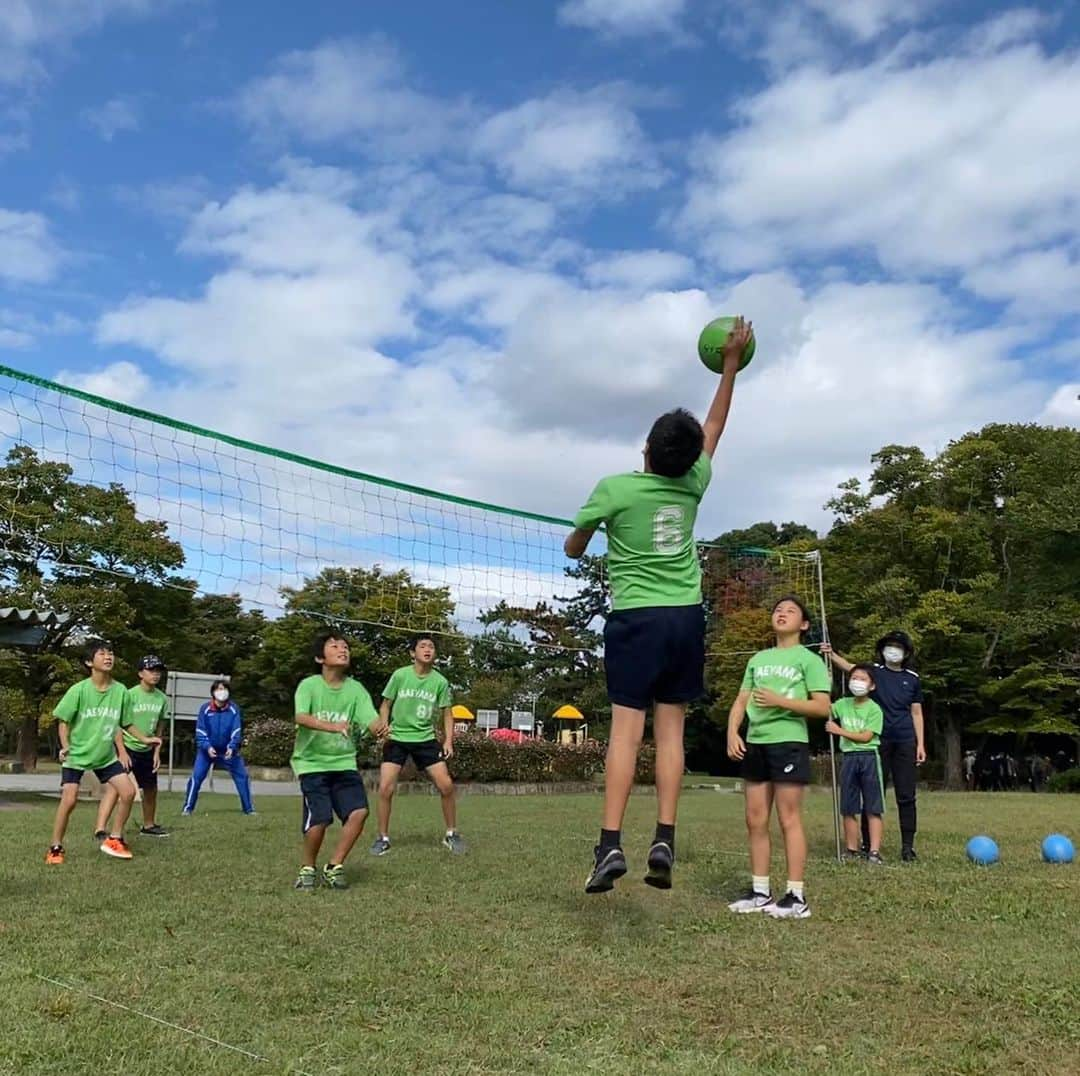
146	707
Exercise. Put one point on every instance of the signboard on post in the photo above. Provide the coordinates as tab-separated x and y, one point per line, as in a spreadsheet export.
187	691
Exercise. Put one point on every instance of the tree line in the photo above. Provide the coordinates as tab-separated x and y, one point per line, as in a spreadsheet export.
975	552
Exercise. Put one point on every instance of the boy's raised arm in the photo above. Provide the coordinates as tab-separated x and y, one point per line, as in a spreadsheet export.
716	419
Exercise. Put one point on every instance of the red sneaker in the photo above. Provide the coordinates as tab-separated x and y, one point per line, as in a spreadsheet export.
55	855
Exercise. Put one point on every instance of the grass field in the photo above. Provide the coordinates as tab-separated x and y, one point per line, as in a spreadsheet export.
497	961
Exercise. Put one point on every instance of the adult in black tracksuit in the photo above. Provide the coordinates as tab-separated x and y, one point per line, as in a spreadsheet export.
903	744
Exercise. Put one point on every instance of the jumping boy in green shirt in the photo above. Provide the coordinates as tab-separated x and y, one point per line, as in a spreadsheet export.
88	719
654	639
331	709
413	698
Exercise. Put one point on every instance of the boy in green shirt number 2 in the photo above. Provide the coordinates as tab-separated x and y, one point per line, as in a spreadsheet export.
88	719
782	687
331	710
654	638
413	697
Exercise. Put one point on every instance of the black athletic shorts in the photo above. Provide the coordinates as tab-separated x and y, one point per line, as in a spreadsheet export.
425	754
70	776
142	769
337	792
656	654
780	763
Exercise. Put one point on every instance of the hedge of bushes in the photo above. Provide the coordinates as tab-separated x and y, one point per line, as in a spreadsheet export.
269	742
1066	781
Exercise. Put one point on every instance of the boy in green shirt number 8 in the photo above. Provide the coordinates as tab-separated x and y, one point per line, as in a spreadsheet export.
654	638
413	698
88	719
146	708
782	687
331	709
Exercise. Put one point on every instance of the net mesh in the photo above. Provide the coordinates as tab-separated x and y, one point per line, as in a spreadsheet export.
256	522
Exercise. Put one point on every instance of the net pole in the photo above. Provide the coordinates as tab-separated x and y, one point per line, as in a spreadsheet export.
832	739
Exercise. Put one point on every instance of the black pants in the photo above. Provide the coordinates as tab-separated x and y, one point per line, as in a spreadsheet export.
899	769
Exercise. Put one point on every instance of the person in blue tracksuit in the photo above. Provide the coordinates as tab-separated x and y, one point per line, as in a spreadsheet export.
218	731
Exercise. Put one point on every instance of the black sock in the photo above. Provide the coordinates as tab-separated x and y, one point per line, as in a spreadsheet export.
610	838
665	832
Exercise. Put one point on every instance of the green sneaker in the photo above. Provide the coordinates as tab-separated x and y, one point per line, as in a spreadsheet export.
306	880
333	876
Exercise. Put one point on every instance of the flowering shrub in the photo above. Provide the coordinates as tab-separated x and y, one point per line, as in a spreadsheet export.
269	742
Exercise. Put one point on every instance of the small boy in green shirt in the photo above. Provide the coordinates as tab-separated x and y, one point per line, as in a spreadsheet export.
782	687
88	719
654	637
146	708
331	709
858	721
413	697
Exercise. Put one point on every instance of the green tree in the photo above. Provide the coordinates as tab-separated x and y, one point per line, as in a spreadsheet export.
74	548
360	603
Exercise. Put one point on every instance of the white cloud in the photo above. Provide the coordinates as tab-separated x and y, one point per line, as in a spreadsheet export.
66	193
28	253
28	26
121	381
113	117
13	339
943	165
625	18
640	270
1036	282
572	141
1063	408
351	89
865	20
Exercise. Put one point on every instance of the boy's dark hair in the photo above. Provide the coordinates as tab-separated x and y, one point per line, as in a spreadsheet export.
796	600
91	647
676	440
318	647
422	637
862	667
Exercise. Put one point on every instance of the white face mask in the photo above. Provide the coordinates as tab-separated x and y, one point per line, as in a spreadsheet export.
859	688
893	655
221	695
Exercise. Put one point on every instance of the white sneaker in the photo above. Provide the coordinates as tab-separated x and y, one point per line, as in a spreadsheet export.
752	901
790	907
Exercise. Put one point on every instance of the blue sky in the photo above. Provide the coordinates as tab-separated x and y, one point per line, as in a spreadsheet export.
470	246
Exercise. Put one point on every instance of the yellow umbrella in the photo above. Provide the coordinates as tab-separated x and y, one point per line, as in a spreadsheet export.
568	713
462	713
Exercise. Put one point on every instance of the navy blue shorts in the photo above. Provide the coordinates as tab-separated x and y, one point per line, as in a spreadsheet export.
861	784
71	776
142	769
655	654
337	792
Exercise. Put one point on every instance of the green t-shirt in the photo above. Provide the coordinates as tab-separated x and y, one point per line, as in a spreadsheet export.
795	673
649	521
348	704
143	709
858	717
418	701
92	718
